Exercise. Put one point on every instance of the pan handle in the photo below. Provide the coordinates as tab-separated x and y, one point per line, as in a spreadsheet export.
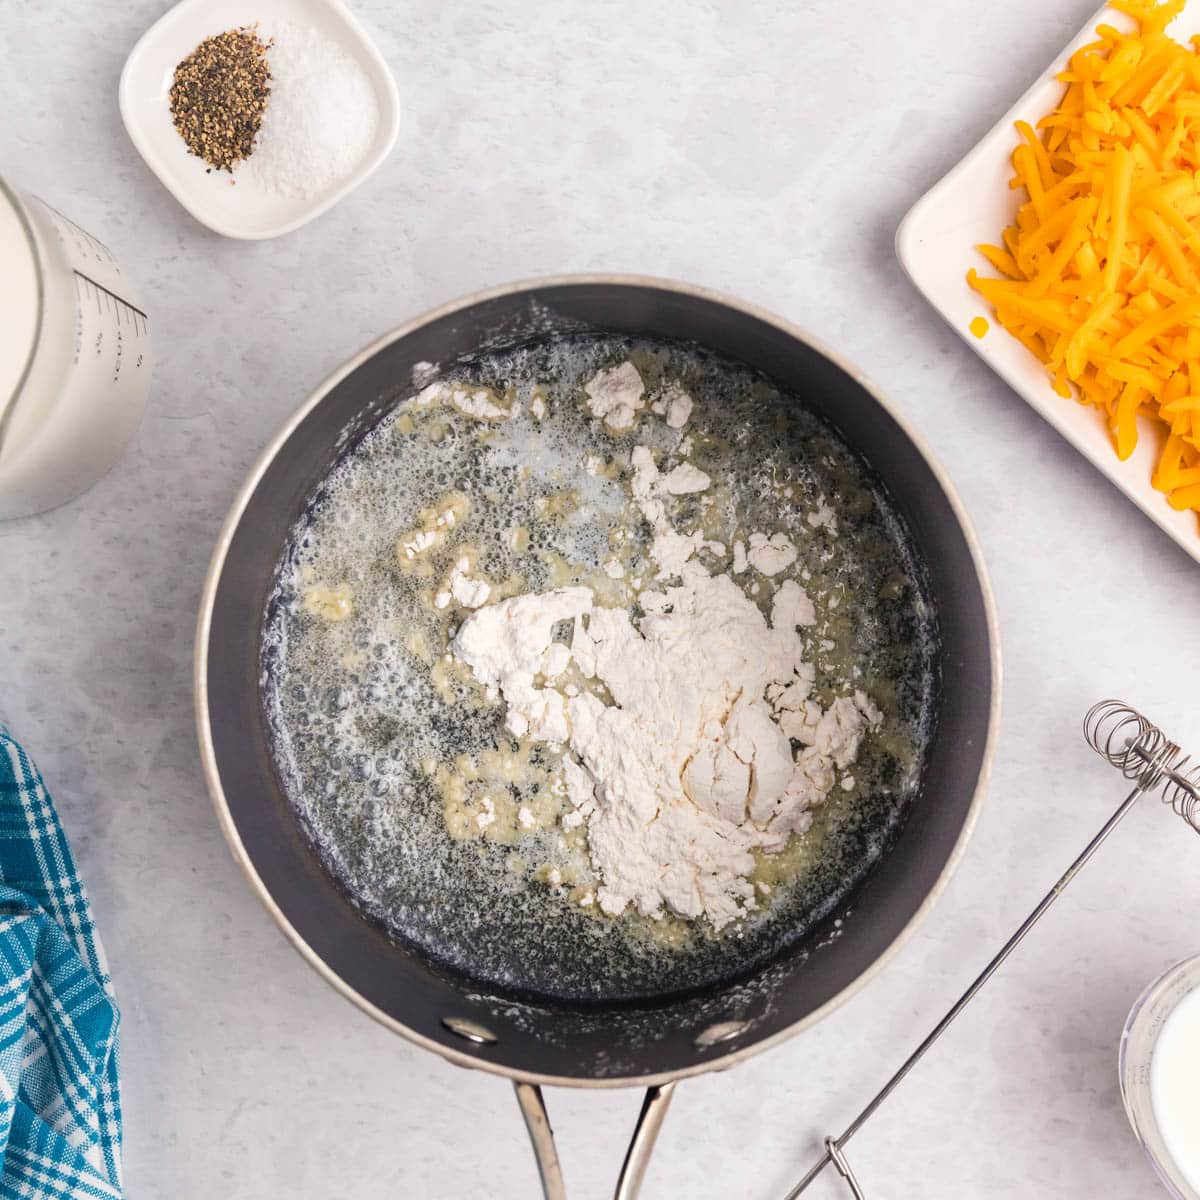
641	1145
637	1158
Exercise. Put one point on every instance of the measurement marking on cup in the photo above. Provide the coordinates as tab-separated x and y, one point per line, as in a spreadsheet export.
103	297
100	252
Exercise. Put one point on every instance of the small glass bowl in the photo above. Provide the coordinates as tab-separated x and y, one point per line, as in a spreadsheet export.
1145	1022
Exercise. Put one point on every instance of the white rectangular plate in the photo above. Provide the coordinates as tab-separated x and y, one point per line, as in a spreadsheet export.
973	203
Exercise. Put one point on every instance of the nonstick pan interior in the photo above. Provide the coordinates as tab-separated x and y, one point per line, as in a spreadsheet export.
586	1035
358	719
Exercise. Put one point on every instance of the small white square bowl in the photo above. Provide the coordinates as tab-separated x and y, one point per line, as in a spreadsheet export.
241	210
972	204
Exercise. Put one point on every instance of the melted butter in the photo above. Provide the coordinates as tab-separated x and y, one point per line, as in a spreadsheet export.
416	643
420	547
451	679
329	603
558	505
411	704
502	795
781	867
511	585
609	593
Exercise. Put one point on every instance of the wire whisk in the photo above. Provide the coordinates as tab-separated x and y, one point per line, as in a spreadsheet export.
1145	755
1151	762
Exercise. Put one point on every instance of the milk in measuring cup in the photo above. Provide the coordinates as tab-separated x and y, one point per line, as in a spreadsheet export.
74	357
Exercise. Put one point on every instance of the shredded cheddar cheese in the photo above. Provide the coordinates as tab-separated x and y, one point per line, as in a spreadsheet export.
1100	270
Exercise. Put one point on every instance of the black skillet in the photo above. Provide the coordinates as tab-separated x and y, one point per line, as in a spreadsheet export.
653	1043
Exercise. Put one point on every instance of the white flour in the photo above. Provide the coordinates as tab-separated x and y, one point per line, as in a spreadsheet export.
615	395
691	765
770	555
470	593
674	406
478	403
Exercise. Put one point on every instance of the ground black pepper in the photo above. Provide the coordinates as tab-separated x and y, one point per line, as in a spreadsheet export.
218	96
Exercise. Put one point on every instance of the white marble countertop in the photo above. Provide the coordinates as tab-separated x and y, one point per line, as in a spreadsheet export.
766	149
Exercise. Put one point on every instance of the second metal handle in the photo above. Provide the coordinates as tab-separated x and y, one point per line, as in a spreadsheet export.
637	1158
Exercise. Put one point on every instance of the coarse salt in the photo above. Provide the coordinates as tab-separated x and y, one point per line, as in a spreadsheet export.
320	120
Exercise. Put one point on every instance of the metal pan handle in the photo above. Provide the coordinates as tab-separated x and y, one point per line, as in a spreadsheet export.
637	1158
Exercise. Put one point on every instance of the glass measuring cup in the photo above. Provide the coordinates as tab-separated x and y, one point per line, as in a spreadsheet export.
74	357
1147	1019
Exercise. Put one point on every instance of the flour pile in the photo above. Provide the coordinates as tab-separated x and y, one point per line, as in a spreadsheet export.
692	764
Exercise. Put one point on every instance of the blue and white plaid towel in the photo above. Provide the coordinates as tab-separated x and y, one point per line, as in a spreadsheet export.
60	1107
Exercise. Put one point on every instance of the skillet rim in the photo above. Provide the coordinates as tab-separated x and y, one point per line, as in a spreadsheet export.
212	581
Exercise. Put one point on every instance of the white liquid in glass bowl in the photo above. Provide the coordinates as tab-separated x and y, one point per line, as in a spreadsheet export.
1160	1076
